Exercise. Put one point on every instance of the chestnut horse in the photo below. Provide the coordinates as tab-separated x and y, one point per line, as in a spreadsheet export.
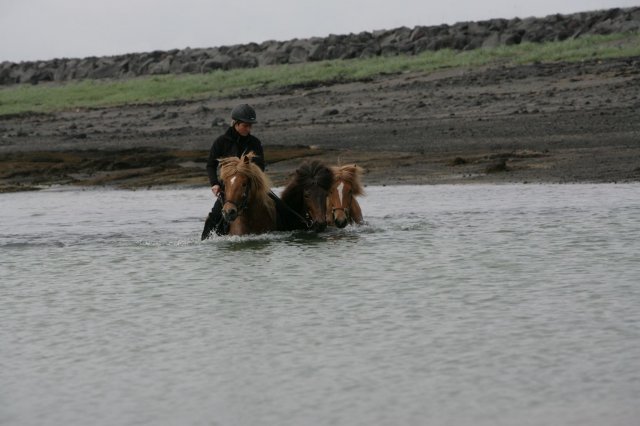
306	194
342	206
247	207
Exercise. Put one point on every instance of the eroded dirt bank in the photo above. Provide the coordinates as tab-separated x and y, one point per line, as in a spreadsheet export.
535	123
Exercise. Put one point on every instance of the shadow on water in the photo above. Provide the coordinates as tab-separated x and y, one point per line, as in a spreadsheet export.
247	245
300	238
332	235
264	241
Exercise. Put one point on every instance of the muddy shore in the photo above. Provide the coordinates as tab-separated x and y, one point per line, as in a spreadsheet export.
540	123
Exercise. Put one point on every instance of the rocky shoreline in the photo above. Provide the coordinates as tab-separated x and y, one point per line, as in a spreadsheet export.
538	123
403	40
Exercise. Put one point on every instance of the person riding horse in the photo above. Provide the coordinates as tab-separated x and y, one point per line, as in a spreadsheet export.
236	141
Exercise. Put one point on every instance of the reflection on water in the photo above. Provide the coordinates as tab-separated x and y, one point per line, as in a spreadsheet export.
505	304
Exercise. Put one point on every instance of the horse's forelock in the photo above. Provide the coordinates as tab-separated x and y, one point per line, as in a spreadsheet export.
350	173
232	165
228	167
308	174
314	173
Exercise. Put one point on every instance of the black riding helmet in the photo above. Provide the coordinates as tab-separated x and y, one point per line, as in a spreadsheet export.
244	113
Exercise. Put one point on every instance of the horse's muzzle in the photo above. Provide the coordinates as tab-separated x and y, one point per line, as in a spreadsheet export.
230	214
340	223
318	226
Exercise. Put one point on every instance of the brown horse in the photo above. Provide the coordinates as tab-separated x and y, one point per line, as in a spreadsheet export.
306	194
342	206
247	206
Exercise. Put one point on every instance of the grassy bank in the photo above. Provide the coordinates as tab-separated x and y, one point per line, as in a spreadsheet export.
101	93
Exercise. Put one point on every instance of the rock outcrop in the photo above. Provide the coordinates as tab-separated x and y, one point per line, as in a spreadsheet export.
460	36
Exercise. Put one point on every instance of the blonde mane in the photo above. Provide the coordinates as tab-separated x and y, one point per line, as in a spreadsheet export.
260	182
350	174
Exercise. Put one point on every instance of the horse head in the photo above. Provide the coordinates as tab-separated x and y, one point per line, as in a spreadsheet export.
245	185
316	209
307	193
341	199
236	196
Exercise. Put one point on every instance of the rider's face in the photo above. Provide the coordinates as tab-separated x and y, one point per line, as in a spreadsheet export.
243	128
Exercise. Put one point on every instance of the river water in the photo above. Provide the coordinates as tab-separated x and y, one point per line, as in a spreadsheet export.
453	305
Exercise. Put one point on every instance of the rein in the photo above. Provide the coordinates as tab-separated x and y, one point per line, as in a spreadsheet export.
307	222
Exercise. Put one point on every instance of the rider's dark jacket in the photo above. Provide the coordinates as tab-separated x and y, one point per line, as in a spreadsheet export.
232	144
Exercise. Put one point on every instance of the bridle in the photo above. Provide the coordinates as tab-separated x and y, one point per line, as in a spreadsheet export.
346	210
308	219
244	202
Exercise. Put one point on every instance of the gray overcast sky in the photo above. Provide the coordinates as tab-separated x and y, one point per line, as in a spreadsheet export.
46	29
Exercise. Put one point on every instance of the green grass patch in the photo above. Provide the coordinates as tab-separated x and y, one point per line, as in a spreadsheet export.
51	97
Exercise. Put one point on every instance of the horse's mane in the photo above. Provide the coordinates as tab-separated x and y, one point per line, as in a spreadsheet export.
350	173
307	175
313	173
260	182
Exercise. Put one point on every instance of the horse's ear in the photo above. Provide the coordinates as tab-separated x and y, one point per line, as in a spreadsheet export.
246	159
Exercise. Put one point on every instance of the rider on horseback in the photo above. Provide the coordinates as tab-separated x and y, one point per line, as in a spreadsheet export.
237	140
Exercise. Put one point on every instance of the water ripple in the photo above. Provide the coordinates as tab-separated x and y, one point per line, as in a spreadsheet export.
480	305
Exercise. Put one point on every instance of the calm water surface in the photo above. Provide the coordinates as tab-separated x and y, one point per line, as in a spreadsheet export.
454	305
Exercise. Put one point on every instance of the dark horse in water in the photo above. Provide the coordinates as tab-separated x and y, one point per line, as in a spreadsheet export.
306	195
